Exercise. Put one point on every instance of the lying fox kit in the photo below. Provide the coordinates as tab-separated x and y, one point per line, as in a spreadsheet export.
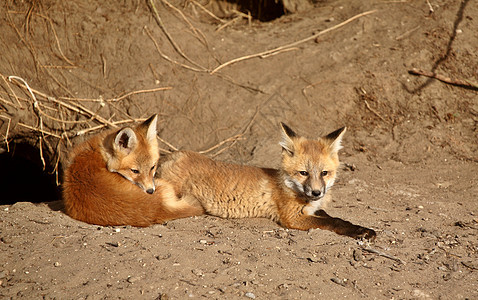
293	196
110	180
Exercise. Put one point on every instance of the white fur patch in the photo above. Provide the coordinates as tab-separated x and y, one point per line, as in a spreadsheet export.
329	184
312	207
293	184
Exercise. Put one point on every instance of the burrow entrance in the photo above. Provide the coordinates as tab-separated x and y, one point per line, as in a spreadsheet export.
23	178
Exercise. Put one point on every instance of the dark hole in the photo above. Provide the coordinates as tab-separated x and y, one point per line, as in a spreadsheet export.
266	10
22	177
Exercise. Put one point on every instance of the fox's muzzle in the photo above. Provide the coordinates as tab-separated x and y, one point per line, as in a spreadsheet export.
314	195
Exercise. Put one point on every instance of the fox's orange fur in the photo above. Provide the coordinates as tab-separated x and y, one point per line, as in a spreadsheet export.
292	196
110	180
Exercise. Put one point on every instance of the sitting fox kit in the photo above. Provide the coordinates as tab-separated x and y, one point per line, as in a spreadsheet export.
293	196
110	180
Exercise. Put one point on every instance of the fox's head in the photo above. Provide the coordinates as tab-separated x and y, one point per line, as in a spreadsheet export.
134	153
309	166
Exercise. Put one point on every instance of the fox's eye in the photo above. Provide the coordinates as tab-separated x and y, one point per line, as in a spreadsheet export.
135	171
152	168
324	173
304	173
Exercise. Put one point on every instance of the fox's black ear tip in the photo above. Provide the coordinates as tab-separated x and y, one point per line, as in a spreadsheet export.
287	130
151	119
335	134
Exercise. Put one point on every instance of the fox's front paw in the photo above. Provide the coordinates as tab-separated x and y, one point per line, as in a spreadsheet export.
365	233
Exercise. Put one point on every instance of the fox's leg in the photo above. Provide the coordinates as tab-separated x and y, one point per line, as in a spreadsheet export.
342	227
323	221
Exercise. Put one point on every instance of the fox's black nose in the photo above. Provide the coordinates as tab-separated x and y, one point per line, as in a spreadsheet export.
150	191
316	193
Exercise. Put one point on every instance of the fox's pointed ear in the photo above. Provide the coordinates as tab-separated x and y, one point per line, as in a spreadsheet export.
150	126
287	143
126	140
335	139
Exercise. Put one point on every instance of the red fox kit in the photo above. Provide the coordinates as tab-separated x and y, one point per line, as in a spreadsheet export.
110	180
292	196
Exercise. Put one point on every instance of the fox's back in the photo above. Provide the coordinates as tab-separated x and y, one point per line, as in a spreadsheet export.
224	190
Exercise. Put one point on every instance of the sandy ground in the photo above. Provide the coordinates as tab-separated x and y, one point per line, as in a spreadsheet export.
410	163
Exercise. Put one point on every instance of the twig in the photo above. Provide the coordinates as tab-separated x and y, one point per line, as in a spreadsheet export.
459	82
39	130
380	253
103	60
207	11
173	43
230	80
232	138
430	7
57	41
374	111
115	99
227	23
364	97
55	169
23	39
309	86
245	16
75	107
168	144
280	51
84	131
406	33
167	57
26	85
7	131
292	44
166	88
201	37
13	93
40	147
39	112
57	67
9	103
236	137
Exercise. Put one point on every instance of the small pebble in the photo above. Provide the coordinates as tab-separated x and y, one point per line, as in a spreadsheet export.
250	295
132	279
57	264
358	256
338	281
198	272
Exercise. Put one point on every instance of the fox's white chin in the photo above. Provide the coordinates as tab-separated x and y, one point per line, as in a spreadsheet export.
312	206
